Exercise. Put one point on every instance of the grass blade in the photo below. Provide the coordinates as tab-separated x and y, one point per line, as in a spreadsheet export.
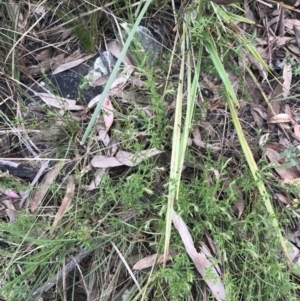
114	72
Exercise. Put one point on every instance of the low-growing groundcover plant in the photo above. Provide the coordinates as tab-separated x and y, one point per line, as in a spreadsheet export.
116	238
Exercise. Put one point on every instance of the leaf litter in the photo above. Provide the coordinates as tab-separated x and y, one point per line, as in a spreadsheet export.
276	116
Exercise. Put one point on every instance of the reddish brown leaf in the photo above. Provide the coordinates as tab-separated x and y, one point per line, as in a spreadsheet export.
108	114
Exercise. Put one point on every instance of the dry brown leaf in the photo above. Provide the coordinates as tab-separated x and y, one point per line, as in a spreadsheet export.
264	53
249	14
37	69
115	49
8	204
292	181
212	244
66	202
149	261
294	257
297	130
287	109
57	61
287	79
112	147
297	36
12	215
256	114
280	118
130	159
122	77
71	64
256	64
239	207
122	158
200	260
290	23
94	100
260	111
36	198
282	198
101	81
285	173
274	107
43	55
10	193
102	133
100	161
59	102
15	12
46	62
108	113
197	137
10	210
38	9
99	174
216	172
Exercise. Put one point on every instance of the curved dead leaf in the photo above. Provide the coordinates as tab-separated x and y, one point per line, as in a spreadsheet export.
280	118
102	133
297	131
108	114
149	261
38	195
99	173
10	210
12	215
201	261
239	207
282	198
100	161
293	181
66	202
72	64
130	159
287	79
59	102
10	193
285	173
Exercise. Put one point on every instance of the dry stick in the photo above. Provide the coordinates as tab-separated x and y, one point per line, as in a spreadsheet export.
70	266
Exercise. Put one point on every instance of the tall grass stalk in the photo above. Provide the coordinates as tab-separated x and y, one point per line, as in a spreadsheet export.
232	100
115	70
180	136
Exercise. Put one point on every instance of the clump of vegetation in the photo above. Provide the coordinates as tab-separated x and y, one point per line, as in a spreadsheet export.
173	185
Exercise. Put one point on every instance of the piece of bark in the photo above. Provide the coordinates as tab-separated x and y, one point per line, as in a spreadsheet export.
19	170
